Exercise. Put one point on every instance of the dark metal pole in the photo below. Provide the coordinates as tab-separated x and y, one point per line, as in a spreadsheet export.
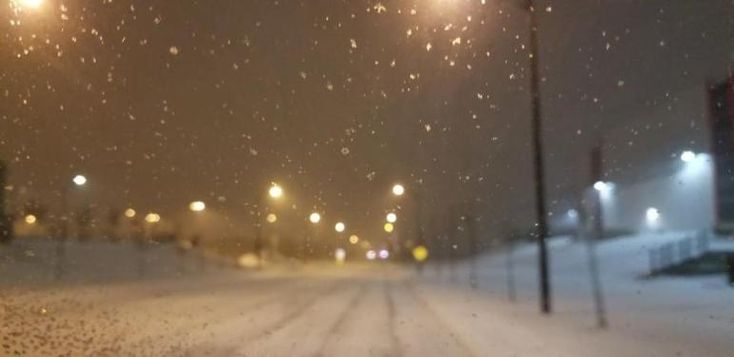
537	129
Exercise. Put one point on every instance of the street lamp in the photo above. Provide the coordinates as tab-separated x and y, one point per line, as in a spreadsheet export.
314	217
275	191
271	218
79	180
340	227
197	206
687	156
130	213
398	190
388	227
28	4
391	217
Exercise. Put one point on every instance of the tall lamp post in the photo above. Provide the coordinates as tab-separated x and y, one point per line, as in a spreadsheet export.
76	181
399	190
538	165
274	192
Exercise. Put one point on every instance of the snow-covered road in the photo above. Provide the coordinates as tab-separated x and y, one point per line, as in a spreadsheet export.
375	310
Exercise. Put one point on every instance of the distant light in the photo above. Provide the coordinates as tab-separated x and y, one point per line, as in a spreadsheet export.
314	218
340	255
391	217
152	217
275	191
389	227
688	156
572	213
271	218
384	254
30	3
248	260
370	255
652	215
601	186
129	213
398	190
420	253
197	206
354	239
79	180
30	219
340	227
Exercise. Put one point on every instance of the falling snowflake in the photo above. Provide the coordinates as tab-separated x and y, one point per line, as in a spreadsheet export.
173	50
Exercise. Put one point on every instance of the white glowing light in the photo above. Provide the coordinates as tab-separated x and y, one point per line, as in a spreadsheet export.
398	190
391	217
652	215
129	213
601	186
271	218
34	4
340	227
384	254
340	255
314	218
687	156
79	180
275	191
197	206
370	255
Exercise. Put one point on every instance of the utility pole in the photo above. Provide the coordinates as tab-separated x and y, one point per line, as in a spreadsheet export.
541	230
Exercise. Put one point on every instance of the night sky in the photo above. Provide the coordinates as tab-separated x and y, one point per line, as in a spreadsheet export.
161	103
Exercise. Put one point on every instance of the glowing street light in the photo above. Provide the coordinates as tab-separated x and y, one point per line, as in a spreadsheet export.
275	191
30	219
197	206
152	217
353	239
398	190
687	156
388	227
31	4
340	227
79	180
601	186
130	213
271	218
652	215
391	217
314	217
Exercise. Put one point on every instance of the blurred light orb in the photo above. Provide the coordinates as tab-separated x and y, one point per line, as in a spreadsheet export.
398	190
392	217
370	255
420	253
79	180
30	219
152	217
314	218
601	186
389	227
248	260
688	156
271	218
340	255
30	3
652	215
384	254
130	213
340	227
353	239
275	191
197	206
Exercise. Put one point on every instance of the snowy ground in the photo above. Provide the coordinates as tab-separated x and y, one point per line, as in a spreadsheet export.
371	310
